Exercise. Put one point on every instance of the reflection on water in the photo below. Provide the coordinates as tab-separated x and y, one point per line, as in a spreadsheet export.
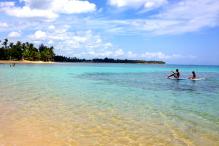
99	105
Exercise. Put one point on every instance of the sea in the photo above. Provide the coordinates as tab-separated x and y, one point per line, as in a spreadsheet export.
88	104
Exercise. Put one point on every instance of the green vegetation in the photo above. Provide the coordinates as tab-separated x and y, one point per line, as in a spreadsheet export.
27	51
105	60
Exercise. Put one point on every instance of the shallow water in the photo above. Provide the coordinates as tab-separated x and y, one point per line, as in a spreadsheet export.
108	104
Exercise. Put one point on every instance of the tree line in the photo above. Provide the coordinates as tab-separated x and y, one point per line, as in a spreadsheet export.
104	60
25	51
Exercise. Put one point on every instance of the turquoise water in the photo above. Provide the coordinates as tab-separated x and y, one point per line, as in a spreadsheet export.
108	104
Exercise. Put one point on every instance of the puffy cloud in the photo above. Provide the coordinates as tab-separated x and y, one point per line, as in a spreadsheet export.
189	16
131	54
47	8
14	34
38	35
163	56
104	53
28	12
37	4
88	44
76	43
155	55
3	24
119	52
147	4
7	4
51	27
101	54
72	6
176	18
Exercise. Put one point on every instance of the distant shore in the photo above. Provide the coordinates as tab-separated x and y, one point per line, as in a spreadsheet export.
58	62
24	62
16	52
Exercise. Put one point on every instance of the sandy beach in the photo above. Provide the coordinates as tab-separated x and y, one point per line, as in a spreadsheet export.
24	62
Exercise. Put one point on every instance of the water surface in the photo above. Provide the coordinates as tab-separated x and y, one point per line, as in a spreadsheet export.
108	104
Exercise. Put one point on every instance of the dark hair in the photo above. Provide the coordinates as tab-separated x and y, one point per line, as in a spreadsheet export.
177	70
193	72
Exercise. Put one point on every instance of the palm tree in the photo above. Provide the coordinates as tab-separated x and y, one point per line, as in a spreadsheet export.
26	51
17	51
5	43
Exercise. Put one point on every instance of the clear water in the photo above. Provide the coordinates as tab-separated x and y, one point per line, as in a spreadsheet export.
109	105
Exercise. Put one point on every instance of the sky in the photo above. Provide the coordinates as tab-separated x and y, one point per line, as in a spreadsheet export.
175	31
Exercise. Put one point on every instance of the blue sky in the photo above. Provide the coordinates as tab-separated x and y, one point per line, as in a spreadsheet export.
176	31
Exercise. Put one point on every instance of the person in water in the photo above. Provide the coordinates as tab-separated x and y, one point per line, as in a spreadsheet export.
193	75
175	74
12	65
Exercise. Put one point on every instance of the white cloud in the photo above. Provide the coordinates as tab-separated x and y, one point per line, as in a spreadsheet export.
88	44
175	18
7	4
77	43
28	12
155	55
3	24
37	4
189	16
38	35
100	54
47	9
112	53
72	6
119	52
131	54
147	4
51	27
14	34
163	56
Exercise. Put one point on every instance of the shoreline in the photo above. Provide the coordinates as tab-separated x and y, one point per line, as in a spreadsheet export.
53	62
24	62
